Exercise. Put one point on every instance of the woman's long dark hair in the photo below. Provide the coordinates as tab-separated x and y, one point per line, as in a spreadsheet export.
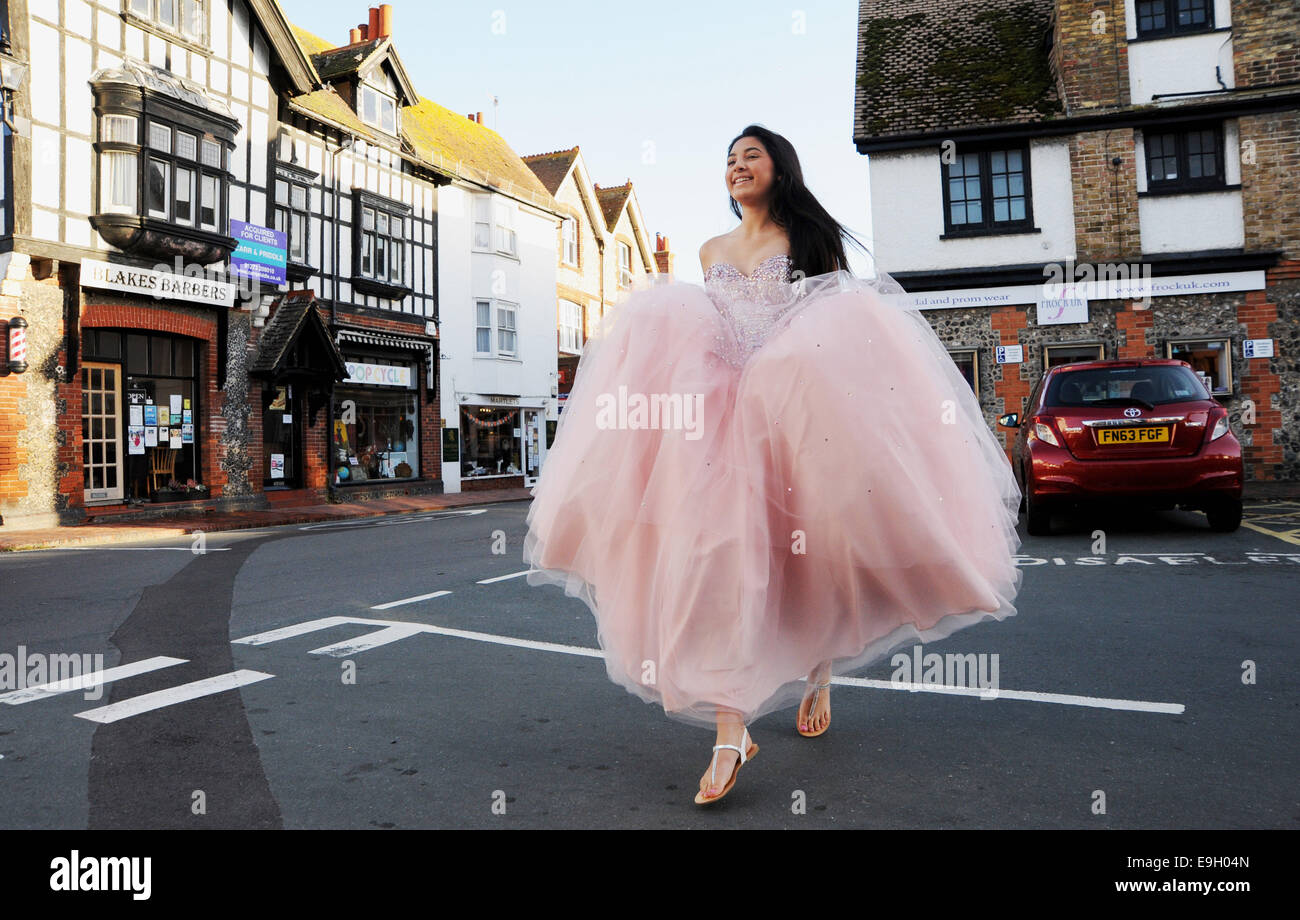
816	238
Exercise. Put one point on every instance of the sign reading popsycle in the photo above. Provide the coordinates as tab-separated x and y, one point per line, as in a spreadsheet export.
384	375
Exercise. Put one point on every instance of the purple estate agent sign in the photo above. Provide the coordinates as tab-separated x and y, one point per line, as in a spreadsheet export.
260	254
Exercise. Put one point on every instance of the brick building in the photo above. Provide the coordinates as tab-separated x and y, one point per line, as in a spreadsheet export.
1144	152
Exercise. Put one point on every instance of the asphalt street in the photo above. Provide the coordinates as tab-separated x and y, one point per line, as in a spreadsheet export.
391	672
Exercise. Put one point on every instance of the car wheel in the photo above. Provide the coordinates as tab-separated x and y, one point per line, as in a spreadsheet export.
1038	520
1225	516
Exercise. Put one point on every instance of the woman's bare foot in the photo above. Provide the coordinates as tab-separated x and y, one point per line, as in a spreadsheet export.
817	697
727	761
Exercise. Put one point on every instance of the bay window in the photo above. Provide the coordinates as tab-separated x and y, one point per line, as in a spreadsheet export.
379	245
162	176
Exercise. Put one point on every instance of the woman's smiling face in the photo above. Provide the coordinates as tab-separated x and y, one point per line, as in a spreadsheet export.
750	171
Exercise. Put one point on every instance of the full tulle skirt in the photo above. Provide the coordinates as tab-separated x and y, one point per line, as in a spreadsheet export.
835	496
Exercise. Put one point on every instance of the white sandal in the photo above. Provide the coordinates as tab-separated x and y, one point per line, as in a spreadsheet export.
816	694
746	749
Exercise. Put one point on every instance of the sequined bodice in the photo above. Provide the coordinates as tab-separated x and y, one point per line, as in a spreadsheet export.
752	305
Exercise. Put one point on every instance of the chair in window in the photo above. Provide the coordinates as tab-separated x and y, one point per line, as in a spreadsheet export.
162	467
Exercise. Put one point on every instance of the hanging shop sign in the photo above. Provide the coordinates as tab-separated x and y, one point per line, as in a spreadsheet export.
261	253
131	280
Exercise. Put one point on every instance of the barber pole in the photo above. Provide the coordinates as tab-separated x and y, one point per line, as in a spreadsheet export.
17	345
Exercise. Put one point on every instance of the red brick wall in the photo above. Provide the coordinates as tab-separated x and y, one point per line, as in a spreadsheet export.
157	319
1106	222
1090	55
1135	324
1010	323
13	387
1264	45
1263	458
1270	187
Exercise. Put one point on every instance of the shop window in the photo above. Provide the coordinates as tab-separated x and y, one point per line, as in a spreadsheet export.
967	361
379	245
160	396
1071	353
1160	18
490	442
987	191
184	18
570	327
377	427
1211	359
165	171
1184	160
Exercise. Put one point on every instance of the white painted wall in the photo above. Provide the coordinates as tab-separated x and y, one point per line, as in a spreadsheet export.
528	281
907	214
1179	64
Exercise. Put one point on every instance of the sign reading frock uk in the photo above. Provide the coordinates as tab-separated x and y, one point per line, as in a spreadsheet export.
261	252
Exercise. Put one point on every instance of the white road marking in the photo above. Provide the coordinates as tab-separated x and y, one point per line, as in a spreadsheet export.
131	549
488	581
409	600
375	521
147	702
369	640
392	627
88	680
1065	699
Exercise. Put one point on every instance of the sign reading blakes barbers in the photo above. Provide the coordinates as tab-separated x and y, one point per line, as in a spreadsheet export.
164	285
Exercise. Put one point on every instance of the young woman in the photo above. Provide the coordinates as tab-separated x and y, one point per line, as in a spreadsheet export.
771	478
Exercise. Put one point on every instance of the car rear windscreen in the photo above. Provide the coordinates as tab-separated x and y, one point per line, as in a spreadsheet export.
1155	384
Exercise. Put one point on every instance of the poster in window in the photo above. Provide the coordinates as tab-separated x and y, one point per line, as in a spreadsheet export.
150	414
164	417
150	436
136	416
175	403
175	439
135	438
187	434
277	466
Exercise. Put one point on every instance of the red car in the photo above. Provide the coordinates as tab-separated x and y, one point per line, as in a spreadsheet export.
1133	431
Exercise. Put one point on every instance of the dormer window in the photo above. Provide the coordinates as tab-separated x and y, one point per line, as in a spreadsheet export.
378	103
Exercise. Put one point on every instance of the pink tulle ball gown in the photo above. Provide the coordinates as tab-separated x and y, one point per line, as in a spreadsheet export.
758	474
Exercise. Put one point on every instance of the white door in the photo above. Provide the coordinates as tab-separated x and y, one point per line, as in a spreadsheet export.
101	431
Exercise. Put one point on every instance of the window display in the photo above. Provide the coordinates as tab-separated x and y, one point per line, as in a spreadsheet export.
490	442
376	435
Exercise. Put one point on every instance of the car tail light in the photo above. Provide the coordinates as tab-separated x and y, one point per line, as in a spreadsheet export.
1221	426
1043	430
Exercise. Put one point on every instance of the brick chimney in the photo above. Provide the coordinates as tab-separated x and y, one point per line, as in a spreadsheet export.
372	31
361	31
1090	55
664	257
354	36
385	20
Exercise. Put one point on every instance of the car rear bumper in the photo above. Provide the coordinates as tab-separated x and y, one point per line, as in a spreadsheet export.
1057	477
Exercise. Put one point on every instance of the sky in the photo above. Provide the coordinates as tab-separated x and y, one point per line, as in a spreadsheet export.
652	92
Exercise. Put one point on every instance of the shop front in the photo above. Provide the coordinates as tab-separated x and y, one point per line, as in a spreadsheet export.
501	443
383	432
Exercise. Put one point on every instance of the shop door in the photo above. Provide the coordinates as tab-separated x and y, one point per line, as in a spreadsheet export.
281	445
101	422
532	446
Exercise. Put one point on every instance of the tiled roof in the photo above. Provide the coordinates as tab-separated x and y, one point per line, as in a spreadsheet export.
936	65
612	201
551	168
336	62
444	140
295	313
